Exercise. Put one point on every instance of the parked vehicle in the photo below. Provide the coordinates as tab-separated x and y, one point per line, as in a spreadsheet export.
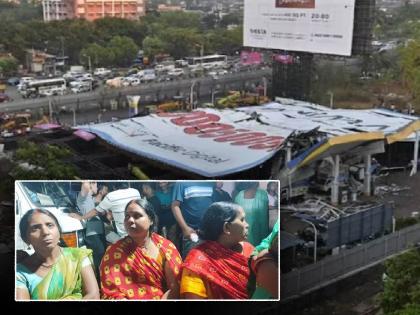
102	72
82	87
177	72
4	98
181	63
52	91
13	81
50	196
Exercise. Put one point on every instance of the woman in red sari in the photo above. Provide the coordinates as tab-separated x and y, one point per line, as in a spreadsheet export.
143	265
218	268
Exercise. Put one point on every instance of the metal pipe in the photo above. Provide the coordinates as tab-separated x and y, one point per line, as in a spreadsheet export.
367	179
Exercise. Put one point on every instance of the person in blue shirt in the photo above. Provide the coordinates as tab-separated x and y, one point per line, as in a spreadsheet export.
190	201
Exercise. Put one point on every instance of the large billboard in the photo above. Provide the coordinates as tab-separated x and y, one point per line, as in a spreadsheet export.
317	26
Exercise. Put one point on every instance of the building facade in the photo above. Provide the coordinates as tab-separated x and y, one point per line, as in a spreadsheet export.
54	10
93	9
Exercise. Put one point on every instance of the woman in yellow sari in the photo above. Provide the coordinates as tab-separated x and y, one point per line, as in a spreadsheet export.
52	272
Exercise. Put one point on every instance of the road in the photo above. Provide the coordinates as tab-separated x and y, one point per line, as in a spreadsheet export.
150	92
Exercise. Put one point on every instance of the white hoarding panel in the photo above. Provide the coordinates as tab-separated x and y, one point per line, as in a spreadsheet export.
204	142
318	26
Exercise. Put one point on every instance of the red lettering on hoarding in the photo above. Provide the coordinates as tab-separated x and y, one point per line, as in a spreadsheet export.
205	125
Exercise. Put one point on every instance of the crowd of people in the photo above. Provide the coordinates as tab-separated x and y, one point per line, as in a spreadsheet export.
181	240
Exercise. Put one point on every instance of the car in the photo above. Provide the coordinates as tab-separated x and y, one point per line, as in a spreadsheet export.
131	80
13	81
102	72
181	63
81	88
176	72
4	98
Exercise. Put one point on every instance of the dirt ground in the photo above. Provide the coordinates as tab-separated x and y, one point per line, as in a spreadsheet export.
406	200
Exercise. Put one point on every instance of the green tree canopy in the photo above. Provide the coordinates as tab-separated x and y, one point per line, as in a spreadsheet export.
401	294
44	162
152	46
124	50
410	65
8	66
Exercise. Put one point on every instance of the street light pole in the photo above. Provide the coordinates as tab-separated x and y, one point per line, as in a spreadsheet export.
192	94
265	86
74	117
315	236
331	94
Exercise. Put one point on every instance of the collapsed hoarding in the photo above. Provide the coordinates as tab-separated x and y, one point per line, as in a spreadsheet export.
212	142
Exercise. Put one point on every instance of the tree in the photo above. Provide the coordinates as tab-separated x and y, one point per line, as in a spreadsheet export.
410	65
100	56
181	42
8	66
401	294
152	46
109	27
124	50
45	162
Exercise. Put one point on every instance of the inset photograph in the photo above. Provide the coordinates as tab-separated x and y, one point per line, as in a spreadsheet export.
147	240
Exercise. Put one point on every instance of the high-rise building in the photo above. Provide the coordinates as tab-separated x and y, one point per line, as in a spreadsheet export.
93	9
57	9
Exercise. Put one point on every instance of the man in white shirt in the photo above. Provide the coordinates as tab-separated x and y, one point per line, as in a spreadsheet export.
114	203
113	206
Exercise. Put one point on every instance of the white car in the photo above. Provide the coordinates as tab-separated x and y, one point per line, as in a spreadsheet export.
132	80
102	72
81	88
53	91
176	72
81	81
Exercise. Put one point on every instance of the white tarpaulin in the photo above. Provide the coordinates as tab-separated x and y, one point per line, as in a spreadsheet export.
213	142
318	26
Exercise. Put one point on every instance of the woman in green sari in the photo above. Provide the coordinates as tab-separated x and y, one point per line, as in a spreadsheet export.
52	272
264	280
254	201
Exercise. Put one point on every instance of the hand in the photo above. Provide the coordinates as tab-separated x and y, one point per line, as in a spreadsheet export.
186	232
109	216
76	216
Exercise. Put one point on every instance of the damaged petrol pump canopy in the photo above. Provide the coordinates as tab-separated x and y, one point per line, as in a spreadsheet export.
294	136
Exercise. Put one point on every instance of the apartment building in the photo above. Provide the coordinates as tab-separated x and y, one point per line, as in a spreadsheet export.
93	9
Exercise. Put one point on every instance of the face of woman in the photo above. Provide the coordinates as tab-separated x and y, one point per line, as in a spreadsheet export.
43	232
136	221
239	227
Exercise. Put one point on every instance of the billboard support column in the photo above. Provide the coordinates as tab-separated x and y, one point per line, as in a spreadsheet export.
416	154
367	179
335	183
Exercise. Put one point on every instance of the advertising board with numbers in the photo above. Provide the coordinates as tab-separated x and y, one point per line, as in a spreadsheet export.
317	26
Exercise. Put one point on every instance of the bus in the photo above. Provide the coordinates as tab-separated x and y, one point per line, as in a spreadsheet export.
45	87
207	62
